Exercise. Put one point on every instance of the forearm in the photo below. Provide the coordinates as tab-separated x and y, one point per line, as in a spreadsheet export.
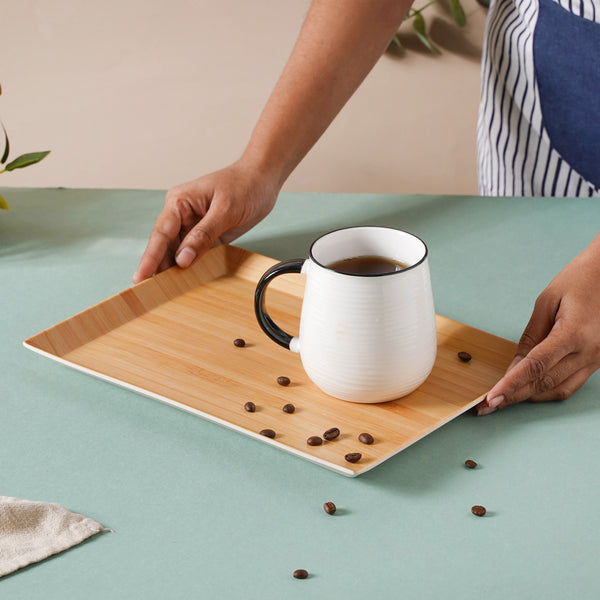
340	42
595	245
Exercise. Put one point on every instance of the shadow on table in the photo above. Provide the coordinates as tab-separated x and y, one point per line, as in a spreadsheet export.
48	219
52	219
417	214
437	459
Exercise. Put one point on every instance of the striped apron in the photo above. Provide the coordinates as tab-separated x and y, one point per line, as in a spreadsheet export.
538	131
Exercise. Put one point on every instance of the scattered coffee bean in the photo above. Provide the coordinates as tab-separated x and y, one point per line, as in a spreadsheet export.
471	464
366	438
464	356
250	406
283	380
289	408
268	433
329	508
353	457
478	511
239	342
331	434
314	440
300	573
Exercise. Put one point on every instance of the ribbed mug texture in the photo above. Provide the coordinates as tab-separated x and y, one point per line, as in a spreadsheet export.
367	338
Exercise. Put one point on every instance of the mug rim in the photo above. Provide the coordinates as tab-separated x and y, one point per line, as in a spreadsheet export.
422	260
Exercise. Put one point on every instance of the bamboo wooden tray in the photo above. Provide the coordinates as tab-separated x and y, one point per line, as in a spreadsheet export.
171	338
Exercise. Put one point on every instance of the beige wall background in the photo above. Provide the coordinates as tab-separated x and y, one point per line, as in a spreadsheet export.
140	94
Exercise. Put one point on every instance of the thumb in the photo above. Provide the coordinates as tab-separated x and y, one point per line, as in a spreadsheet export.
201	238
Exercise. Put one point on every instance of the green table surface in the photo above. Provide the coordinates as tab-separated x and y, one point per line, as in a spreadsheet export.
200	511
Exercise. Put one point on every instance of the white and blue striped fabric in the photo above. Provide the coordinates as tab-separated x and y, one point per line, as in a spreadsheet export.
538	132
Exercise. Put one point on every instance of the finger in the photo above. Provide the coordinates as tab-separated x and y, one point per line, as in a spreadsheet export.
562	391
532	374
160	245
548	381
484	409
169	258
201	238
539	326
566	388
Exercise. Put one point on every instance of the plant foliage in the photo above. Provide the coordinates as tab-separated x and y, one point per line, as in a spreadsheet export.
420	26
25	160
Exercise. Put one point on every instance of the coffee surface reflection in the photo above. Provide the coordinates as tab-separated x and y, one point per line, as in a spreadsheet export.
367	265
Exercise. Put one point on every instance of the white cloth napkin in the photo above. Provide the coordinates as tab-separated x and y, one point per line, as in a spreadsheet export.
31	531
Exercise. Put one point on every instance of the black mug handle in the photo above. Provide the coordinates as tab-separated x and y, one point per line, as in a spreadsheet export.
267	324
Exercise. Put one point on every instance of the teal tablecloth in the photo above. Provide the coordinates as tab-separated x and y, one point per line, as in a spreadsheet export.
199	511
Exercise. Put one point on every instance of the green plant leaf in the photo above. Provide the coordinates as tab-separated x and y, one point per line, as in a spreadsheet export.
419	27
396	41
458	13
419	23
6	145
3	203
26	159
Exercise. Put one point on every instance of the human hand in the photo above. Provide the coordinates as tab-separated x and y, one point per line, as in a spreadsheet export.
211	210
560	347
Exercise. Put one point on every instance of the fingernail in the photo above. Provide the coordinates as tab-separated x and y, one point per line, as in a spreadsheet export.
485	410
495	402
185	257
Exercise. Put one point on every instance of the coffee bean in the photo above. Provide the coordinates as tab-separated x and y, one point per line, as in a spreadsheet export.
283	380
329	508
353	457
289	408
464	356
250	406
239	342
268	433
366	438
331	434
314	440
478	511
300	573
471	464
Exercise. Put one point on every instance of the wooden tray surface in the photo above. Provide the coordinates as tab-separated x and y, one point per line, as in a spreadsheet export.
171	338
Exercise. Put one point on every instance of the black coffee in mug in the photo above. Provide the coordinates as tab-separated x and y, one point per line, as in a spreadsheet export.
367	265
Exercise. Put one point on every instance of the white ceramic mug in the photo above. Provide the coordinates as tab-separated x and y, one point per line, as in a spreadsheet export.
363	338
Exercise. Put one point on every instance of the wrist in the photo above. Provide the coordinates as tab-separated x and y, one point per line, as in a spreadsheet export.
267	166
259	173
